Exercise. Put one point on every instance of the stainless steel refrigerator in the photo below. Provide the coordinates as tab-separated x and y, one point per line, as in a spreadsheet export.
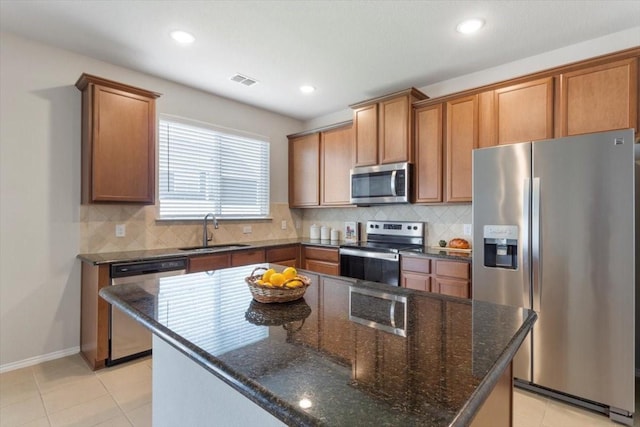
555	230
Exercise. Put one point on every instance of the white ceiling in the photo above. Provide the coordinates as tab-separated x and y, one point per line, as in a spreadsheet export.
350	50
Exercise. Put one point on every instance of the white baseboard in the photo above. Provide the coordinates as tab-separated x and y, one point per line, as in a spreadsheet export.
38	359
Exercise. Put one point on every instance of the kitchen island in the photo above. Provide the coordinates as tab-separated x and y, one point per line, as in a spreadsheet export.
349	353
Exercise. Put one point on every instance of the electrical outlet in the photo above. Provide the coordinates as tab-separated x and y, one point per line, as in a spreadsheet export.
283	224
246	229
467	229
297	225
121	230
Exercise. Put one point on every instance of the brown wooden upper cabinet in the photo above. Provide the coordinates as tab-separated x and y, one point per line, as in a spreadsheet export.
118	142
336	160
428	146
319	165
599	98
384	128
304	167
516	113
461	139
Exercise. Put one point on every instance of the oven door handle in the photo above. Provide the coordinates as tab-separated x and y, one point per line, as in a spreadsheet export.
369	254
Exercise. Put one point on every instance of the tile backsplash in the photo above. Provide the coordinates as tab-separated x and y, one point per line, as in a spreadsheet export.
143	231
443	222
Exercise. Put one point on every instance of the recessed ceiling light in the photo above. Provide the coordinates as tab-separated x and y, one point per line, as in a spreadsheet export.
182	37
307	89
470	26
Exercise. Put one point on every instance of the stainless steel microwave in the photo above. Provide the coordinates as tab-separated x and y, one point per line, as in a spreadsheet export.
376	185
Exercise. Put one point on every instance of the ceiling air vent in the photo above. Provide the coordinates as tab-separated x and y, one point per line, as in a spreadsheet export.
247	81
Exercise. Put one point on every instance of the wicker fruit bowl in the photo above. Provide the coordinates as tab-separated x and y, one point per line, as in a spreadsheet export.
289	290
277	314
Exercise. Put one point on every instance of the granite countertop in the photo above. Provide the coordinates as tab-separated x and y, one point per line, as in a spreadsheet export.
432	252
149	254
438	374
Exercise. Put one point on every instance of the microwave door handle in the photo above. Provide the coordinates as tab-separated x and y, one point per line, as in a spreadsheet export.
393	183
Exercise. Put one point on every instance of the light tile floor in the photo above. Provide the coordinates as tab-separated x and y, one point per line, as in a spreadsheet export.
65	392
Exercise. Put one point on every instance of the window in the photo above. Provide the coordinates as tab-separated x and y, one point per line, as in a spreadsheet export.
204	169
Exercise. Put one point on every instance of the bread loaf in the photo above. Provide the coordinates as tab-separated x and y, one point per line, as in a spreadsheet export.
458	243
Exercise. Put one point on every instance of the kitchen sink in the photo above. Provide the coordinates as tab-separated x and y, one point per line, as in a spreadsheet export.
214	248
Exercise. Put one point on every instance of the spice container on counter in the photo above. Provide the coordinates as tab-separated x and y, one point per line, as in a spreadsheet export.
325	233
314	232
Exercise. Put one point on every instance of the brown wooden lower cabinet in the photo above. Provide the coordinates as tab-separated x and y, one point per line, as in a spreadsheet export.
442	276
94	315
497	410
284	255
252	256
321	260
209	262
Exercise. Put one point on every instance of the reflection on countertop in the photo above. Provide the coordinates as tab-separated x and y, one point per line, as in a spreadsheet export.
438	374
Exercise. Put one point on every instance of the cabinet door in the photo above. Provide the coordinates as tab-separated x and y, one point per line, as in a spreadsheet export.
462	138
208	262
247	257
524	112
304	168
452	287
394	132
420	282
336	159
323	267
428	170
285	255
123	150
365	122
599	98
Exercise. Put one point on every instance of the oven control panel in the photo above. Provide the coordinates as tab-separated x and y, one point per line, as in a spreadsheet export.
396	228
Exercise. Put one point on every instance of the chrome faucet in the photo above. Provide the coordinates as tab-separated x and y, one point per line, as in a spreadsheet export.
205	234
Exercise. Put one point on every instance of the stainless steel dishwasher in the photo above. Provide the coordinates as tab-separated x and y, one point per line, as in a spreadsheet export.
127	338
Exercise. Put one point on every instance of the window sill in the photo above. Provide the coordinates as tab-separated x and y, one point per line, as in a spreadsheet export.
225	219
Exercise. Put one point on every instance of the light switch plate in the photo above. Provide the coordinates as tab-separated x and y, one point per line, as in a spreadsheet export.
467	229
121	230
283	224
246	229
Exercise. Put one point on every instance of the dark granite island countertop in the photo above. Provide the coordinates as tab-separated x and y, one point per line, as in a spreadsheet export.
307	363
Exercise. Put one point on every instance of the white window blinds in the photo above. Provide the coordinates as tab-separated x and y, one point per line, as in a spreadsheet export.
202	169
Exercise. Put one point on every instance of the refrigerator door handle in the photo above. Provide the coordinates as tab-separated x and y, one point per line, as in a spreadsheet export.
524	234
536	259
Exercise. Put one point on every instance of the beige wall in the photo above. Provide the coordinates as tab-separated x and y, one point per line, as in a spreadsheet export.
42	225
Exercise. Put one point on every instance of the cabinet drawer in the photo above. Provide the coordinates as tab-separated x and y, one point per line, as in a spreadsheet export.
322	254
459	270
208	262
418	265
452	287
247	257
420	282
285	253
322	267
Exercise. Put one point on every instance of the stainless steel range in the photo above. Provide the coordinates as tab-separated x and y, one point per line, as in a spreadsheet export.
378	259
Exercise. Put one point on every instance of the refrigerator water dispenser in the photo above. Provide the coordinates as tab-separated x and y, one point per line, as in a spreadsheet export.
501	246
